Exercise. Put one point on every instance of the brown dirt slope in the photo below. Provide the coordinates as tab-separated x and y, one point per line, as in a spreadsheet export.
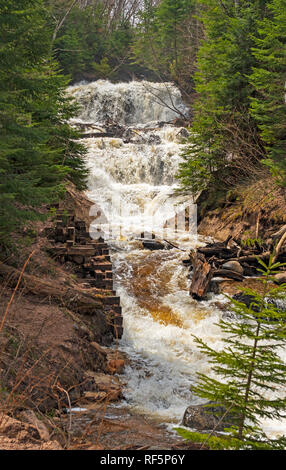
247	212
47	344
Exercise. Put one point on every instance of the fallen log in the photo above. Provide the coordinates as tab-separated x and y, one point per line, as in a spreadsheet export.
279	234
251	258
71	297
96	135
278	247
228	274
218	251
202	276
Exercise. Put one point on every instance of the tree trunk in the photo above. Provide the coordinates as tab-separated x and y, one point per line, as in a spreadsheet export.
202	275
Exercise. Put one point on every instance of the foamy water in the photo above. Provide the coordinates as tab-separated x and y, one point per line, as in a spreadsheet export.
134	186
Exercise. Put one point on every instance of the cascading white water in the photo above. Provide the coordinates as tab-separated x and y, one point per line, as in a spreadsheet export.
134	103
160	318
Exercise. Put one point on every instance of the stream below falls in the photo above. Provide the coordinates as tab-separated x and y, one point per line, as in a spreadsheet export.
132	183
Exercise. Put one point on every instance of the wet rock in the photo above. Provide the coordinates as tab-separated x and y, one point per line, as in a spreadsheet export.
184	133
214	287
233	266
153	245
154	139
115	366
249	299
246	299
206	418
107	384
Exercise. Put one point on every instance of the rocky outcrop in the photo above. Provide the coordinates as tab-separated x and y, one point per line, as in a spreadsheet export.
19	435
206	418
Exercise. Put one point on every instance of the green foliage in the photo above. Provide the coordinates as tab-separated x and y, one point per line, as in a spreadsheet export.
268	78
224	139
89	43
103	69
165	41
227	442
252	242
38	148
248	375
78	42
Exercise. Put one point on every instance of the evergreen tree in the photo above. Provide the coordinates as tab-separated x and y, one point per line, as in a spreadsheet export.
269	78
38	148
224	143
90	42
249	375
166	39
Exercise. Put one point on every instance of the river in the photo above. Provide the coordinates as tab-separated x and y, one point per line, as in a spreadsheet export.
132	182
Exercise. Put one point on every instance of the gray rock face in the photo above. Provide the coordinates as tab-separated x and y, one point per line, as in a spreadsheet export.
202	418
233	266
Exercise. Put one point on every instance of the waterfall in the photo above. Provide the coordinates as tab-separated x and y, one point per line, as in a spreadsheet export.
134	103
137	174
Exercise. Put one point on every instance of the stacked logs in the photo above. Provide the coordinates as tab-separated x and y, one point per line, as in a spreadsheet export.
229	260
72	243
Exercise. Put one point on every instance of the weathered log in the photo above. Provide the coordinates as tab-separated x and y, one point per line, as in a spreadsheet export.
228	274
202	276
219	251
70	296
280	233
278	247
79	250
252	258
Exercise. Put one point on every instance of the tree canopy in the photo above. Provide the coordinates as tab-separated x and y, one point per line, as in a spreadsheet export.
39	151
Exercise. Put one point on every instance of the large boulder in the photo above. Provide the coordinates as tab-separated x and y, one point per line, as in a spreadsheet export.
233	266
206	418
153	245
249	300
246	299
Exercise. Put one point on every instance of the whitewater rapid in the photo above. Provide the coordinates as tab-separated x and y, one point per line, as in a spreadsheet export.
133	184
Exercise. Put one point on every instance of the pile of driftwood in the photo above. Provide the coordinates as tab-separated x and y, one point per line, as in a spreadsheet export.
232	260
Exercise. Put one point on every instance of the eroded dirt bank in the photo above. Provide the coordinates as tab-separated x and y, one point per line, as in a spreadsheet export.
58	354
253	210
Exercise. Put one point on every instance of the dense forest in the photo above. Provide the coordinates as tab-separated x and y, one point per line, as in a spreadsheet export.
228	58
